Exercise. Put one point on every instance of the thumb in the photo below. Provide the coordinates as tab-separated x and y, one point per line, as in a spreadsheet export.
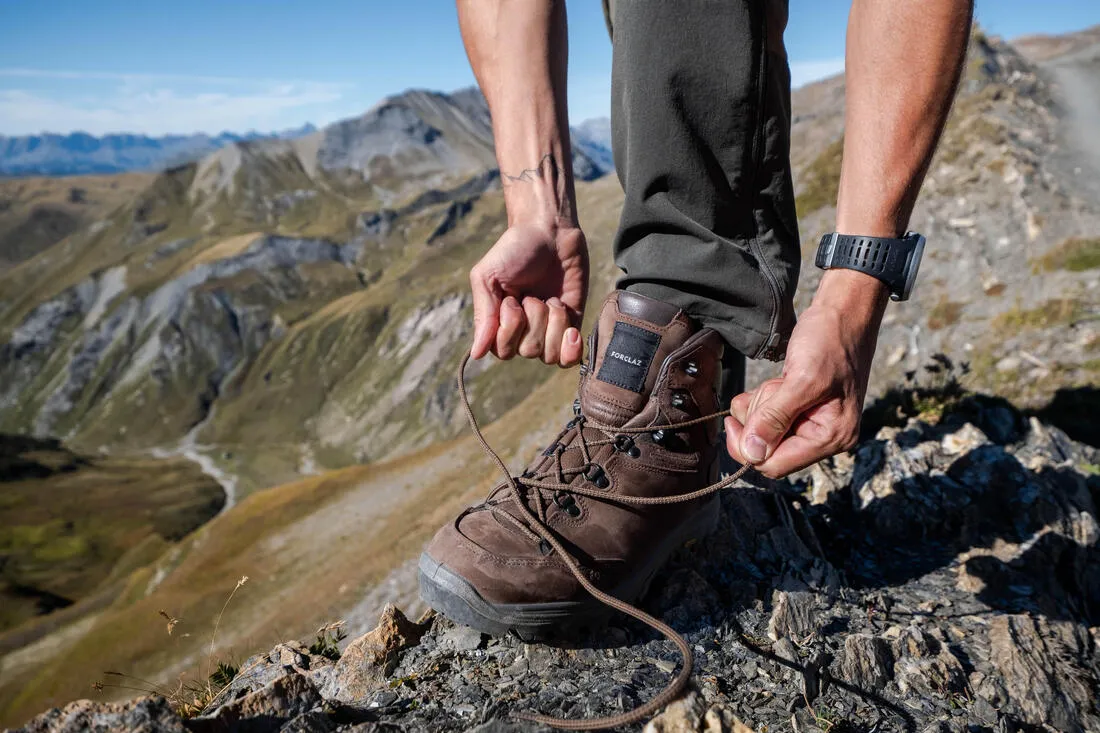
486	316
770	418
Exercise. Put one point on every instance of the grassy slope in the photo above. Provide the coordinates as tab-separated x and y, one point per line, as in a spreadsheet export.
71	525
36	213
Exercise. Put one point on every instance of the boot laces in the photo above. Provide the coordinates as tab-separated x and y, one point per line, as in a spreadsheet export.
554	483
535	527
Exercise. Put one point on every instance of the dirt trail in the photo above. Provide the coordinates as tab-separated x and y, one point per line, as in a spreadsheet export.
1075	75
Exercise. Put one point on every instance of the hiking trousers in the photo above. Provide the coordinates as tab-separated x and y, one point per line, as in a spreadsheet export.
700	130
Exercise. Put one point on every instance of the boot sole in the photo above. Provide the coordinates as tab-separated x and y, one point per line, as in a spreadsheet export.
453	596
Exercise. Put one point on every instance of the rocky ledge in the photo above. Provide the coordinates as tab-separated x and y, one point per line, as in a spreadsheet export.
942	577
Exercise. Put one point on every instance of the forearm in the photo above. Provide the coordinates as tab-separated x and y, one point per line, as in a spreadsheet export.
904	59
518	50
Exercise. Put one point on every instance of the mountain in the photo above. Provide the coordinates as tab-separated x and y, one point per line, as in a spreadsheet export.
79	153
318	272
36	213
594	138
287	314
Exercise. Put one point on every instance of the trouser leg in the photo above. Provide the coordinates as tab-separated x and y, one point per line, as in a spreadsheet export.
701	136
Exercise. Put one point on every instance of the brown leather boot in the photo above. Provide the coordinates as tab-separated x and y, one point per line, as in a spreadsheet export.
648	365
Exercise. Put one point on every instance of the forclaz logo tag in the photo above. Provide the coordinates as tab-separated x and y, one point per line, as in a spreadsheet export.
628	357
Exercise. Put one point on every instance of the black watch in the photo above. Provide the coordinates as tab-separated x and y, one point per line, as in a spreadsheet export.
894	261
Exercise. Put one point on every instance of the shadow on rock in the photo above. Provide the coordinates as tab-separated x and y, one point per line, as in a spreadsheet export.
1075	411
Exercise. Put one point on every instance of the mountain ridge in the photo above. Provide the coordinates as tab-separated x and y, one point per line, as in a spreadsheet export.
79	153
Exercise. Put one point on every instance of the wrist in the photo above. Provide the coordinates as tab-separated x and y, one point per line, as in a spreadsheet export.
860	298
540	203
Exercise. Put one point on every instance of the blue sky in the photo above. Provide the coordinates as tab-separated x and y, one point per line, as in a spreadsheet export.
210	65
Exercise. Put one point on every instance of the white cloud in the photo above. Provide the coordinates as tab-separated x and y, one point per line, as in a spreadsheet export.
33	101
805	72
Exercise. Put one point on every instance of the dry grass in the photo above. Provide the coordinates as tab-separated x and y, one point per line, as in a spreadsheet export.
944	313
820	182
224	249
1054	312
1076	254
72	525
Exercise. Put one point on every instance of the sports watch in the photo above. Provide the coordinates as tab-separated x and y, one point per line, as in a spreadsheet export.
893	261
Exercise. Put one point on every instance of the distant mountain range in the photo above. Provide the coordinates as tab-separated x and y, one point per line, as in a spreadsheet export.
51	154
78	153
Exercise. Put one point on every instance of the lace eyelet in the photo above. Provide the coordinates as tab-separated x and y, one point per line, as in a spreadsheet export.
679	399
545	548
595	474
573	510
691	369
658	436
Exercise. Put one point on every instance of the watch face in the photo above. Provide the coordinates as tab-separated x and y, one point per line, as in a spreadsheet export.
912	265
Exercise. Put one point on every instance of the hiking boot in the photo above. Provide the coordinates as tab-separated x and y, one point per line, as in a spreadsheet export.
648	365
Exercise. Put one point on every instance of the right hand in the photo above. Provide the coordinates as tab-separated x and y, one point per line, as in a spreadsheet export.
529	293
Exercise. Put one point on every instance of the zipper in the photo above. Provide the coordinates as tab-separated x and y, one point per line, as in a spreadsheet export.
768	349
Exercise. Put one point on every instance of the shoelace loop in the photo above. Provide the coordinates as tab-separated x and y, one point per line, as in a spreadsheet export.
536	529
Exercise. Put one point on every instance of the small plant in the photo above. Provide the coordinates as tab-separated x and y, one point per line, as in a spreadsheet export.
189	698
928	394
328	640
223	674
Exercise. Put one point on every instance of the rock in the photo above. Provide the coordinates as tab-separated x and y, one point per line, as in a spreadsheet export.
691	714
261	670
369	659
925	666
267	709
867	661
1038	662
144	715
792	615
461	639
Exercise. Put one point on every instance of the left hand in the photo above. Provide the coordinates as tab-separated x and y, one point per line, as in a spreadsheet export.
813	411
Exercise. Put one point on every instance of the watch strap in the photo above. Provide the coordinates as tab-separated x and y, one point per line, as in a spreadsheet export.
881	257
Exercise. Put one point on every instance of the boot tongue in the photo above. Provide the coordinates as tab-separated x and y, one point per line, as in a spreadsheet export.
631	340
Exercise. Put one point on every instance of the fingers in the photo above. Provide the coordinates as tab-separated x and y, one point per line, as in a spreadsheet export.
513	325
821	431
486	314
537	313
572	348
563	342
776	406
739	406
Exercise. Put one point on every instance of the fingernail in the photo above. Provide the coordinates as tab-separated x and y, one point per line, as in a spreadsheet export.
755	448
554	301
573	336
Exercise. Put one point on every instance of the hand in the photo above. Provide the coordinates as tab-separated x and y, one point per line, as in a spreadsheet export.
529	293
813	411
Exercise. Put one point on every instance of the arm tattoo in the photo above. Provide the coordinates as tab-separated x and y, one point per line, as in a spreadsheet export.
545	168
